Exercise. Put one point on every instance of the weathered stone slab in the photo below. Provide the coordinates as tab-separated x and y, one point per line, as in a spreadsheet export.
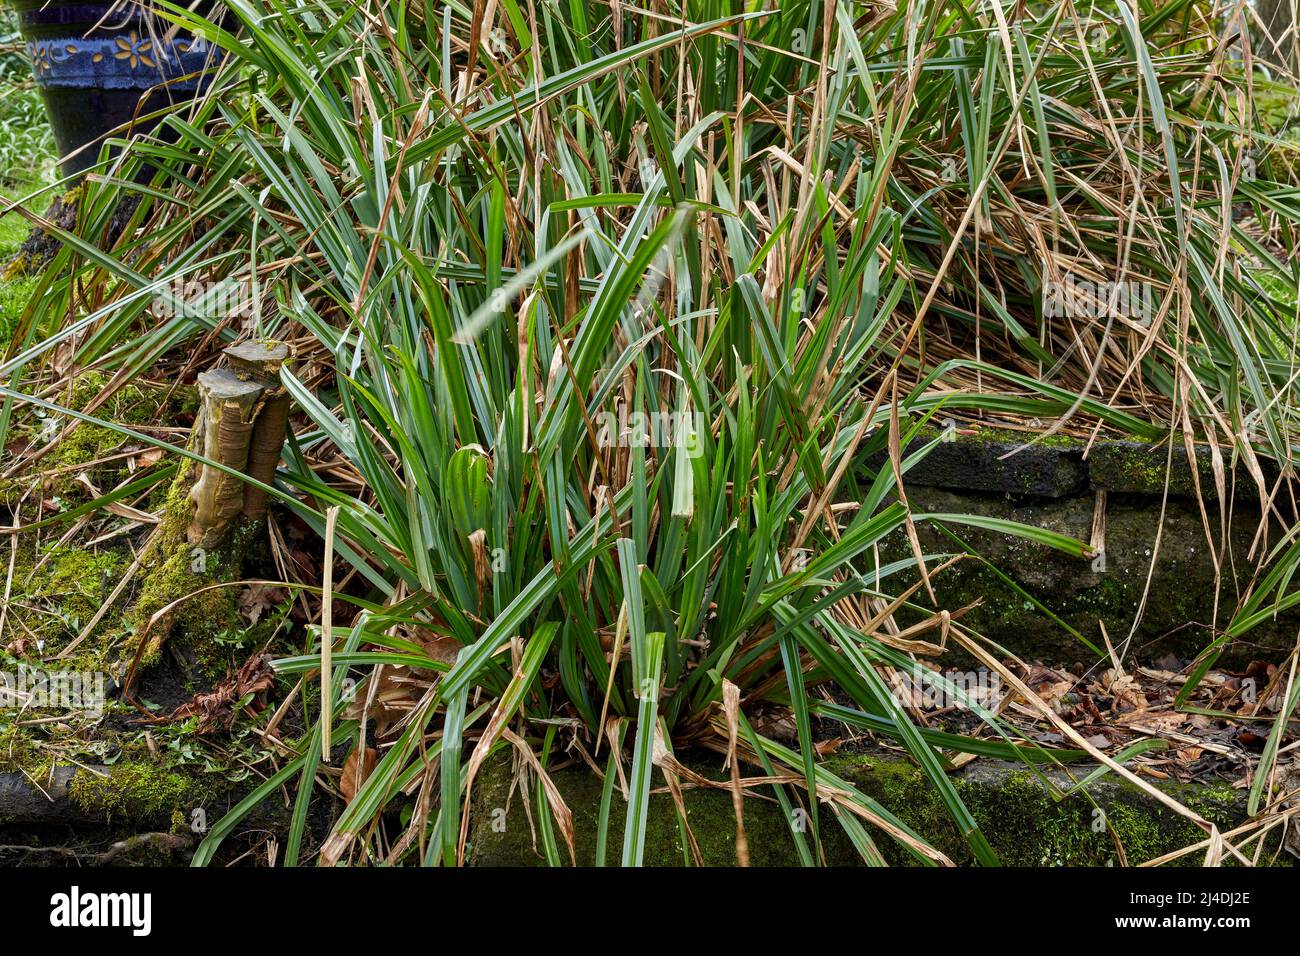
21	802
71	814
1025	818
1015	464
990	462
1138	468
1179	614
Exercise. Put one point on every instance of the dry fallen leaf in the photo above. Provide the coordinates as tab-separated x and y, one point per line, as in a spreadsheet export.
776	723
217	708
397	689
1124	690
440	647
359	765
256	599
83	479
1053	692
150	456
131	514
1153	723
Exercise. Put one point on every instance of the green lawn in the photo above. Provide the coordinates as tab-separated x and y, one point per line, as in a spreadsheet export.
26	162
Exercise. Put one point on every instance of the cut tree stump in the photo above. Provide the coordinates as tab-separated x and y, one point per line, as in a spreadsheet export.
243	417
261	362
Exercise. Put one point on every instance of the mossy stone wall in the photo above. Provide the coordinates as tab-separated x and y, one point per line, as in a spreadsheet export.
1026	817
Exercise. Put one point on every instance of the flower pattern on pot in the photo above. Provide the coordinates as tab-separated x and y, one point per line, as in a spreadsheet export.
136	50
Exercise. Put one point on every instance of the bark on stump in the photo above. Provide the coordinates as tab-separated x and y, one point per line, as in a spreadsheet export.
243	418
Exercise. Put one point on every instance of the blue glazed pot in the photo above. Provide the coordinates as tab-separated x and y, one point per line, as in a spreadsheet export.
97	69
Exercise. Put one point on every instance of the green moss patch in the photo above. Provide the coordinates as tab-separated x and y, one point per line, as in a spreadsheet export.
172	570
135	792
1026	818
